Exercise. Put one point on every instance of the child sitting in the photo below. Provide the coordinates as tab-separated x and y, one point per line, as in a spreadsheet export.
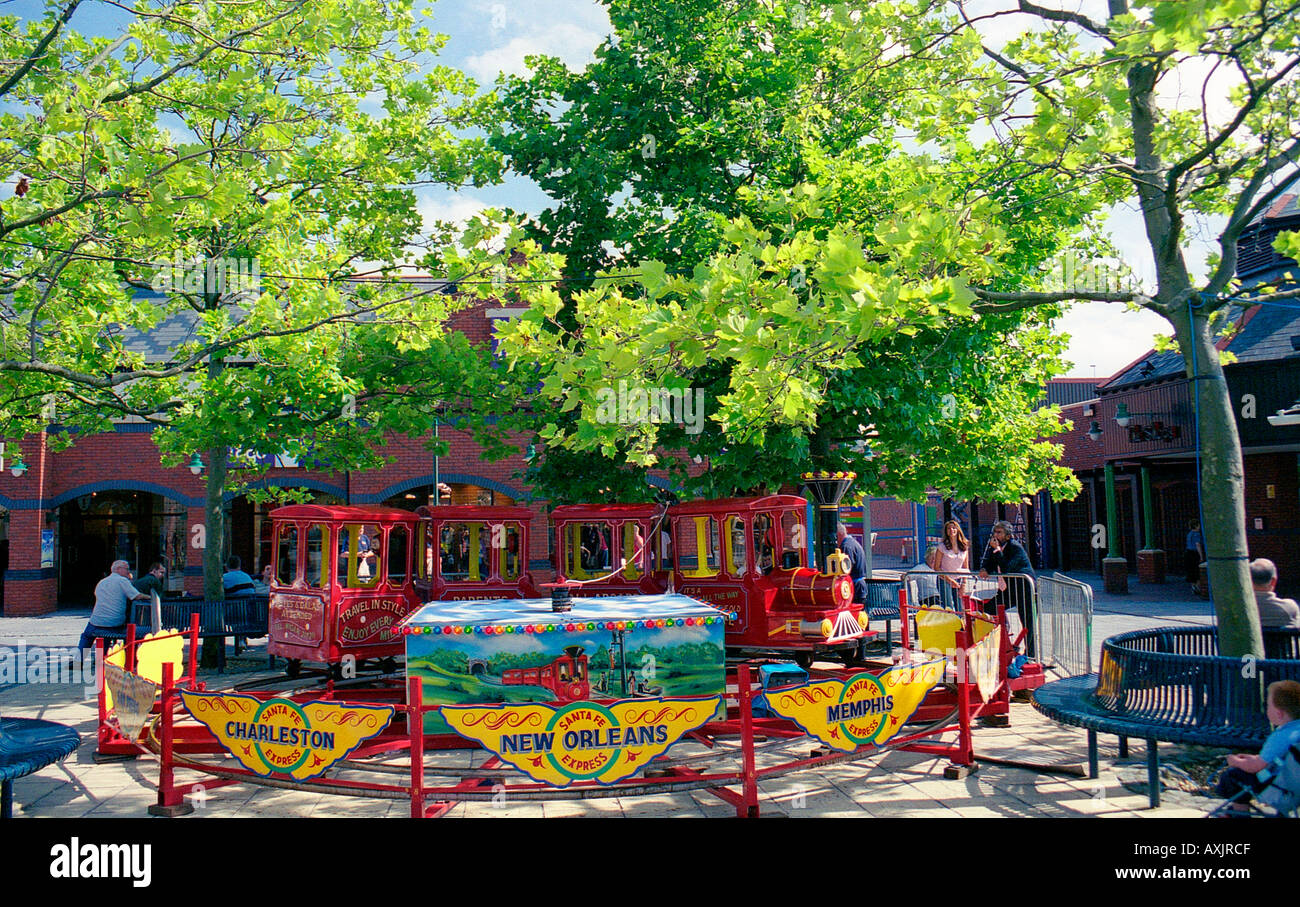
1249	775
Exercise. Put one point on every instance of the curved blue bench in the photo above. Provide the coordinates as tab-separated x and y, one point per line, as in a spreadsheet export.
27	745
1168	684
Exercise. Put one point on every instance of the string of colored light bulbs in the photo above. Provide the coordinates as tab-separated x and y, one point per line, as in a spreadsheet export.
570	627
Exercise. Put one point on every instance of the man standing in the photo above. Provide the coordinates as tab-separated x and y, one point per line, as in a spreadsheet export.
1005	556
113	596
852	549
1273	611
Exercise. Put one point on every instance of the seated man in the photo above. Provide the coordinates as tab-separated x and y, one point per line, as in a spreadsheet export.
1273	611
113	595
927	581
153	580
1249	776
235	581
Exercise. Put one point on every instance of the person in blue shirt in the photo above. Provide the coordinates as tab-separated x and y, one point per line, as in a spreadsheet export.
852	549
1250	776
235	580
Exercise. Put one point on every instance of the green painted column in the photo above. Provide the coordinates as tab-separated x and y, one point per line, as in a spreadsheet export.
1148	523
1112	517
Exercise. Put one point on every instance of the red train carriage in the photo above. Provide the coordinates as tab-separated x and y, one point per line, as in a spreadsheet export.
750	556
471	552
612	549
342	582
567	676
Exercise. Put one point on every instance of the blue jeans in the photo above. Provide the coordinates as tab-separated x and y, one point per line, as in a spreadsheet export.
90	634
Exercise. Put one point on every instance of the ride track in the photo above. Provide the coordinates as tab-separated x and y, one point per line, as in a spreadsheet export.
487	782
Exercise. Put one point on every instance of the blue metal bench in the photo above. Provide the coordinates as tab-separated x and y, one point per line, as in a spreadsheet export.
27	745
1168	684
882	604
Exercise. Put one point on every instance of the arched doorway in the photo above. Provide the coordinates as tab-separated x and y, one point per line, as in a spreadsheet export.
100	527
451	493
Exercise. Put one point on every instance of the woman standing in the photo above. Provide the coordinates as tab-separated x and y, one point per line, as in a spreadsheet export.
951	556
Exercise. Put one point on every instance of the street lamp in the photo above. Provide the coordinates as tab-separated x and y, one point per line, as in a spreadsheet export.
18	467
1094	430
1122	416
196	465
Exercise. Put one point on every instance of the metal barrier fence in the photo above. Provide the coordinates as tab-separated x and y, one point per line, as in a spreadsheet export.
1065	625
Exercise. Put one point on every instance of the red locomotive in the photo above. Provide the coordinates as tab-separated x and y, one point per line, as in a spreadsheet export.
567	676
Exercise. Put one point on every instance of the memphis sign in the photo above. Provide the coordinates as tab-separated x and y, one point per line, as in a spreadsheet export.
281	737
582	741
846	714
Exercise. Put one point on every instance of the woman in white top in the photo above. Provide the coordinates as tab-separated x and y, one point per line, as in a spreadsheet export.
952	556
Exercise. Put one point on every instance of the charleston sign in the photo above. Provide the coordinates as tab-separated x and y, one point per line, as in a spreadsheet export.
846	714
581	741
281	737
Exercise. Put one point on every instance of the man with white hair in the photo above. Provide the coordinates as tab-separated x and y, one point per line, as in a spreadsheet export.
113	596
1273	611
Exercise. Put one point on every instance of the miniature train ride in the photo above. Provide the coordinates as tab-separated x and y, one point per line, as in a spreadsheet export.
345	576
572	696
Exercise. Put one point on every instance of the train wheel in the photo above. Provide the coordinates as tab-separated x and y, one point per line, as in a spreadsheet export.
293	667
803	659
388	665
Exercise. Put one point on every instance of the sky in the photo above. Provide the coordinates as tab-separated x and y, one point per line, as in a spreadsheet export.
488	37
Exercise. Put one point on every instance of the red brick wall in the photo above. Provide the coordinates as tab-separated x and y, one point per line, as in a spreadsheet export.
1280	514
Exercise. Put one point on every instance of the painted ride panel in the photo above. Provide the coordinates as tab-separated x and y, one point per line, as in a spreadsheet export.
603	649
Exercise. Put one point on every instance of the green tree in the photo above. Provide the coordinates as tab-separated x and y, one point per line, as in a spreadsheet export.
729	141
1129	103
287	138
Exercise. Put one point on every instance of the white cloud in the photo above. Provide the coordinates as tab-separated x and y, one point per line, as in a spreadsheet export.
1105	337
573	44
455	208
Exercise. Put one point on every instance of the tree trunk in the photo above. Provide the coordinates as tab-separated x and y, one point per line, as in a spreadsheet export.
215	519
1223	503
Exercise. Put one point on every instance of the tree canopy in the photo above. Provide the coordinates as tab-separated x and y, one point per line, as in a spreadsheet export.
774	237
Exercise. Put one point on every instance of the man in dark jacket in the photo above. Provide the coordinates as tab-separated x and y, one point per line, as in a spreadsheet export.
852	549
1005	556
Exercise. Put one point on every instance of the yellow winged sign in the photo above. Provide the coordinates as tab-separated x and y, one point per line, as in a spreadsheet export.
581	741
845	714
282	737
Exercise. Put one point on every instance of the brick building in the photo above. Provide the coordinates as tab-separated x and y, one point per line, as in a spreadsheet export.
108	496
1141	426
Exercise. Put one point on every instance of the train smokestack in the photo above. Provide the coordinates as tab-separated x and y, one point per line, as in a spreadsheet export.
827	490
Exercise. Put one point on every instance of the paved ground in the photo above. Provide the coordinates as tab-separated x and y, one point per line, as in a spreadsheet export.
897	784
